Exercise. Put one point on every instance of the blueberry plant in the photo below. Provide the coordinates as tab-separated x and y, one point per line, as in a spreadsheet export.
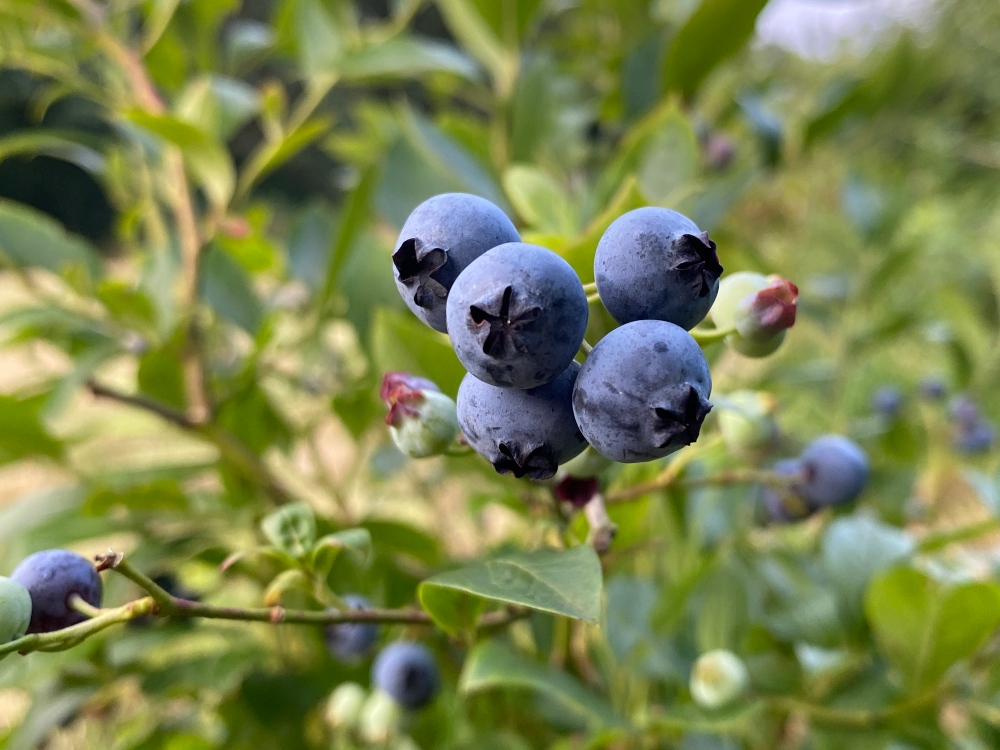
520	374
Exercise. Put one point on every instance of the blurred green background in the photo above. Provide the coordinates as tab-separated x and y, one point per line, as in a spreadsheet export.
198	200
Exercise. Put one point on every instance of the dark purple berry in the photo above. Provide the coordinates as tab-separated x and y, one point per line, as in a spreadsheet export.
643	392
527	433
517	316
577	491
51	577
655	264
350	641
932	388
442	236
408	673
834	471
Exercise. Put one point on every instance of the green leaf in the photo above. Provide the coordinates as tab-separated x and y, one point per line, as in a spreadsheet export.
564	582
161	375
494	664
715	31
540	200
580	253
355	542
454	611
29	238
406	57
291	529
476	36
229	290
218	104
854	550
23	435
206	158
285	581
401	342
320	38
74	147
925	627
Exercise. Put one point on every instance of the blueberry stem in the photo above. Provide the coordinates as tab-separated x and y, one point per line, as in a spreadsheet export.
163	604
76	602
665	478
585	347
705	336
457	451
590	288
593	299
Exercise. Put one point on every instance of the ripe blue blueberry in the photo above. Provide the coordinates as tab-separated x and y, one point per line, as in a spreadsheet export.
51	577
517	316
442	236
932	388
527	433
786	504
350	641
408	673
655	264
887	401
643	392
835	471
976	437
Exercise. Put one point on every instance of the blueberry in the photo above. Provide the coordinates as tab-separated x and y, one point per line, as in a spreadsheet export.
786	504
517	316
643	392
408	673
350	641
442	236
977	437
527	433
50	578
835	471
15	610
932	388
655	264
964	411
887	401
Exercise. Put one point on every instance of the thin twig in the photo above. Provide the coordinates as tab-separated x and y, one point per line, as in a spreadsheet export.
229	446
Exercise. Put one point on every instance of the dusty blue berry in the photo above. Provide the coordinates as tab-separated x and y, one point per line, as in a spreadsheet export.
976	437
643	392
51	577
517	316
408	673
350	641
442	236
527	433
655	264
887	401
835	471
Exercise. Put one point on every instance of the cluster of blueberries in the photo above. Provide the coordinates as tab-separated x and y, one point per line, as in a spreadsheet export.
37	598
517	313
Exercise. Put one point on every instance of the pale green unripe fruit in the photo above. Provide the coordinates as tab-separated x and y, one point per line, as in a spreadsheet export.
15	610
343	709
431	430
380	718
718	678
755	349
746	421
734	288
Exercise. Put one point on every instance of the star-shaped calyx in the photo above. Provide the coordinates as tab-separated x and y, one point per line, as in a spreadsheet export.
696	257
535	463
419	267
499	318
679	419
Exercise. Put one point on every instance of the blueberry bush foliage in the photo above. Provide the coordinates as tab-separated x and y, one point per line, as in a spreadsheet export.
199	201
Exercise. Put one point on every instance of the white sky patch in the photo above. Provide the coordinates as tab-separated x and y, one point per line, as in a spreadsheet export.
827	29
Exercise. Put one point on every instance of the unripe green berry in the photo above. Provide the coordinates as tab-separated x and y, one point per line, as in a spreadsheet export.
343	709
431	430
733	288
756	349
380	718
15	610
746	421
718	678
